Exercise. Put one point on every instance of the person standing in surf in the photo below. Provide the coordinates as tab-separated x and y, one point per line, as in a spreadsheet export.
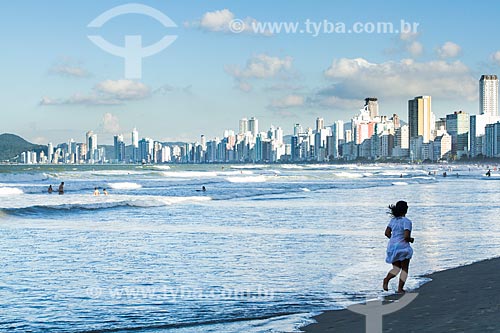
399	251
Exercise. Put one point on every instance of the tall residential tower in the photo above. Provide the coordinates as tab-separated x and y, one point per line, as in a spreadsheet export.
420	118
488	95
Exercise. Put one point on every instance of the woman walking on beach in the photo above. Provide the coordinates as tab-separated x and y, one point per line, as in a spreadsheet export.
399	251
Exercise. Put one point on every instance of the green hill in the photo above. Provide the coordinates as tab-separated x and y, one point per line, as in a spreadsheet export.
11	146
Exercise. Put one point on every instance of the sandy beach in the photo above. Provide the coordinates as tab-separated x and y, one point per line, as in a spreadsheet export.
463	299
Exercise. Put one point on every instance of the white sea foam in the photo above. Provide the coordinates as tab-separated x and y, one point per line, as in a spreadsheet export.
67	202
395	173
251	179
231	173
400	183
116	172
159	167
291	166
249	166
189	174
10	191
22	177
125	186
347	175
305	189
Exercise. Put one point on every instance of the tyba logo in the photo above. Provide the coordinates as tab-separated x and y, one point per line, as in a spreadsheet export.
132	52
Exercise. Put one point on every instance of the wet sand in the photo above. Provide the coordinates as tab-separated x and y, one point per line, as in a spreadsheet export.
463	299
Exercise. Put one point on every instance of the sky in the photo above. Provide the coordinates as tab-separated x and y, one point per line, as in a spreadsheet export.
57	84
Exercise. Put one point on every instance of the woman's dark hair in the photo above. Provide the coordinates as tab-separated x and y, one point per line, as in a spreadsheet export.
399	209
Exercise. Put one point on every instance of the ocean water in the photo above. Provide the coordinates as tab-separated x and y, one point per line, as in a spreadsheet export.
264	248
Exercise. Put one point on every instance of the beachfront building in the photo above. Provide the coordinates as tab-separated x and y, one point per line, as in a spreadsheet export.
488	95
458	125
253	126
442	146
91	141
421	122
492	140
134	152
420	118
119	146
371	105
488	114
401	142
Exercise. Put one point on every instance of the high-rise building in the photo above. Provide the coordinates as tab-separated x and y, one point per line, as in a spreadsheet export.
278	135
420	118
253	126
458	126
203	142
243	126
488	95
91	141
119	145
50	152
135	138
320	124
298	130
371	105
396	121
492	140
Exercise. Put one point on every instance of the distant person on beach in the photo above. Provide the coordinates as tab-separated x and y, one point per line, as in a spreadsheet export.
488	173
203	188
105	192
96	192
50	189
61	188
444	174
399	251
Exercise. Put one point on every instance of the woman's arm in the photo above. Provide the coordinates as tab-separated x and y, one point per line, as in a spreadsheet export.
408	237
388	232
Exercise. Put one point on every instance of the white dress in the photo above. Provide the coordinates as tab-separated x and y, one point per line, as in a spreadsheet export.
398	249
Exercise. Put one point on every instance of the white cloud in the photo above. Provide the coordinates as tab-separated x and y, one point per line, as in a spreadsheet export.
260	67
449	50
71	71
408	36
108	92
66	66
124	89
407	43
110	123
496	57
358	78
288	102
415	49
244	86
217	20
337	102
225	21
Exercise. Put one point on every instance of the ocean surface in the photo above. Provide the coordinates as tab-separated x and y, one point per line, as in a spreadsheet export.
261	250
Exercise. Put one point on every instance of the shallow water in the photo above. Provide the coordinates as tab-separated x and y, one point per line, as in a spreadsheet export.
259	251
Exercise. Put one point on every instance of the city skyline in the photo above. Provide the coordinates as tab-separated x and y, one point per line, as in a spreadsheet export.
59	84
369	136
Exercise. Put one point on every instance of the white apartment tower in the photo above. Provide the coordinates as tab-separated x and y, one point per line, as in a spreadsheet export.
135	138
420	118
320	124
253	126
371	105
488	95
243	126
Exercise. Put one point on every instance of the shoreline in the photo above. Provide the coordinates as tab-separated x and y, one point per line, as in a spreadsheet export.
461	299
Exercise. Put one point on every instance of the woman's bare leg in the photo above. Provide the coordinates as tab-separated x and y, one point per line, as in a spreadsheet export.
396	267
405	264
